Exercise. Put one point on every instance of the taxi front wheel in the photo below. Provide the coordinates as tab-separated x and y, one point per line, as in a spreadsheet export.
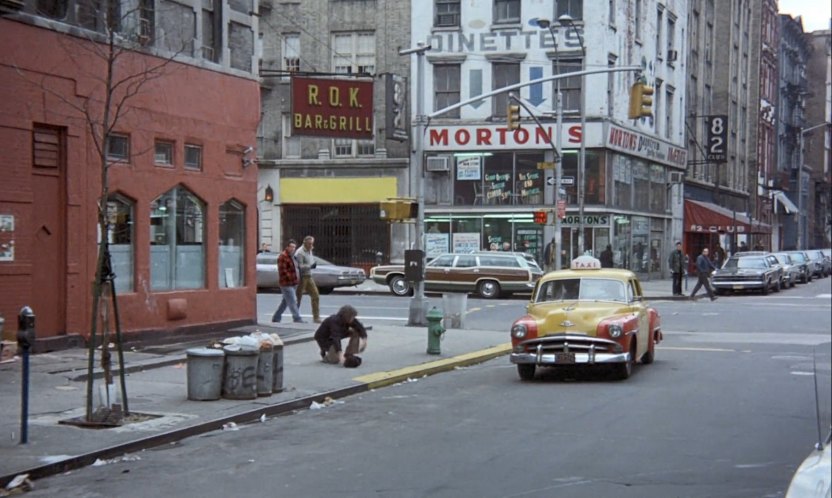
623	371
526	371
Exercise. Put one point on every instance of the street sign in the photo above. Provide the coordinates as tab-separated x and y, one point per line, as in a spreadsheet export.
545	165
566	180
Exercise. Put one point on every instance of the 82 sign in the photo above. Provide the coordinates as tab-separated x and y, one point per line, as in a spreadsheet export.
716	149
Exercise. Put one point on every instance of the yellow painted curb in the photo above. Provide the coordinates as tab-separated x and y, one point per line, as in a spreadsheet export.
381	379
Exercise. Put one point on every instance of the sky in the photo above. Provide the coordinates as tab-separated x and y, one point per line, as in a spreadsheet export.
815	13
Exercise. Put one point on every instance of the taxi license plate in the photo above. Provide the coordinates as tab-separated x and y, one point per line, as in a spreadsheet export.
564	357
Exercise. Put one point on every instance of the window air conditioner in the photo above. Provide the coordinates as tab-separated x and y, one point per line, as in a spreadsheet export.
676	177
438	164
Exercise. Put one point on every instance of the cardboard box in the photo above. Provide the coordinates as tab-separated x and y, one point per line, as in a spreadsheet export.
7	350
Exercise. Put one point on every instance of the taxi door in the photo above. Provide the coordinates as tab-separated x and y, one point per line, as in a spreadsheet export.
638	307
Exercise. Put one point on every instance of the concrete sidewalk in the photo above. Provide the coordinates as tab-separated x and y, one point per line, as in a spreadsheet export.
157	386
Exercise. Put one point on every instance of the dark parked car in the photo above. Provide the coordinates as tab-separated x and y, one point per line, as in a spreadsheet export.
802	260
821	263
742	272
326	275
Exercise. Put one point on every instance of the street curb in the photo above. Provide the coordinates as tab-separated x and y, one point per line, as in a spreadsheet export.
364	384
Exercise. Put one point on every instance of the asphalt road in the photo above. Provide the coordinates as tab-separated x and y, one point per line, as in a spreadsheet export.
727	410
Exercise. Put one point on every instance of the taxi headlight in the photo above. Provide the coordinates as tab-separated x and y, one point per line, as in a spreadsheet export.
615	331
518	331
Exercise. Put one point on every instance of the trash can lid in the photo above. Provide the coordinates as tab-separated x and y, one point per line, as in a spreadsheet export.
238	350
205	352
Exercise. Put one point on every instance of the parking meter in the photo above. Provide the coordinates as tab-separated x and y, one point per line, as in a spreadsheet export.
413	268
25	341
26	328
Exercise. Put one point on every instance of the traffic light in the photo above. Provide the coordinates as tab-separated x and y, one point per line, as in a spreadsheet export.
641	101
541	217
513	116
398	209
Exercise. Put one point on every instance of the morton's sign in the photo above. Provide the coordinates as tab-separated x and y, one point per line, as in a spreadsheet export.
338	108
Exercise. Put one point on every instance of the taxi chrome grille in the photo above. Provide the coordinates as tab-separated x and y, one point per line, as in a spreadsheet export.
568	343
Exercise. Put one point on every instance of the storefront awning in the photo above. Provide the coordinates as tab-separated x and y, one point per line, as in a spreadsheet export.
781	199
705	217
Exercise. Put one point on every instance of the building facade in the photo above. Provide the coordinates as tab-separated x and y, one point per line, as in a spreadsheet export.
483	181
793	89
817	144
180	207
330	186
722	115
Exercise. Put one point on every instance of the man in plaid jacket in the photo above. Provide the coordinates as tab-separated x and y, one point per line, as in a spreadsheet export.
287	279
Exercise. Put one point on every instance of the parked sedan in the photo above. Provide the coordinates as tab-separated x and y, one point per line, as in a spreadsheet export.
791	271
821	264
802	261
326	275
744	272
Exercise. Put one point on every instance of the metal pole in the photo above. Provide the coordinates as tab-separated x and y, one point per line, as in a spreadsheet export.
559	158
800	244
418	304
24	398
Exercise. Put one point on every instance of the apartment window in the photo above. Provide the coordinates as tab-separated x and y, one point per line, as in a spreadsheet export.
572	8
163	153
570	87
147	22
447	13
193	157
354	53
611	12
177	234
506	11
232	244
668	105
611	60
446	88
91	14
118	147
345	147
671	33
291	53
659	22
291	144
502	76
54	9
211	30
120	240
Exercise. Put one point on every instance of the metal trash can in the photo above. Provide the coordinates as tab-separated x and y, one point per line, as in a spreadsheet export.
277	368
240	372
265	378
454	306
205	373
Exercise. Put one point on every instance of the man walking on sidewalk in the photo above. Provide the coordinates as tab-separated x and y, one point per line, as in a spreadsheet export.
287	280
677	268
704	267
306	260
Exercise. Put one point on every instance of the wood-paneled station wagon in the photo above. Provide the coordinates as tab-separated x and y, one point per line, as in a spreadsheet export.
588	316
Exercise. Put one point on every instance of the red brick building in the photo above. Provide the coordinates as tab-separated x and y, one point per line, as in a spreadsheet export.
182	209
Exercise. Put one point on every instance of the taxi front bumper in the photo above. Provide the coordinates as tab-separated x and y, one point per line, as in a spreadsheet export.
567	349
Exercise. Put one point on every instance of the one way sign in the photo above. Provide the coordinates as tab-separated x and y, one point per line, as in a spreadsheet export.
565	180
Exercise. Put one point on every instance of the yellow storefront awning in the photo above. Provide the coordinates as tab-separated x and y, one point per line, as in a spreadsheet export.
336	190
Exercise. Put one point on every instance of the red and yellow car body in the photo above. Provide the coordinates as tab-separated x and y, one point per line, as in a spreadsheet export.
586	315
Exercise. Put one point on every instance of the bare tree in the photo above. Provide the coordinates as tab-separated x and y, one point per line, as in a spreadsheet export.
110	48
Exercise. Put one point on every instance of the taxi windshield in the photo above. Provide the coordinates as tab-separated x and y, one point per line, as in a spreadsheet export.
593	289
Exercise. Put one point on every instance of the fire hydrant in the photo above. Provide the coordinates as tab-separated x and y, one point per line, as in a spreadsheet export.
435	330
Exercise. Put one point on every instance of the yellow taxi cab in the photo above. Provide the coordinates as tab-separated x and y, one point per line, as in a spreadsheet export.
586	315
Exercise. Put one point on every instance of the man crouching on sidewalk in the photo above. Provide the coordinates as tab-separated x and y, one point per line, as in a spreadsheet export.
343	324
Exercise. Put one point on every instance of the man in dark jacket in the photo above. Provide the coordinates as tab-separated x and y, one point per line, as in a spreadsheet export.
677	268
704	267
341	325
607	257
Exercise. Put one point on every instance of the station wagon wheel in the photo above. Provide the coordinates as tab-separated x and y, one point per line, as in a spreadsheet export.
488	289
525	371
399	286
623	371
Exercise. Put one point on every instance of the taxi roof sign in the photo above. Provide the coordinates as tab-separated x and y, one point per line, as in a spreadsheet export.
585	263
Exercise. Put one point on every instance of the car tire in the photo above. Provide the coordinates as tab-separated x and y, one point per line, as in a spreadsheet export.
488	289
623	371
526	371
777	286
399	286
324	290
766	287
650	355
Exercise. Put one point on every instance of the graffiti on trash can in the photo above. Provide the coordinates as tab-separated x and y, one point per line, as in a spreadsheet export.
244	378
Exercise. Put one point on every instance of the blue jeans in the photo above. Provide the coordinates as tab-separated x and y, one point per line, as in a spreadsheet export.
290	301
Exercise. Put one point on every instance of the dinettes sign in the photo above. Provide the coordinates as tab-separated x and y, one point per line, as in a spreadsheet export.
339	108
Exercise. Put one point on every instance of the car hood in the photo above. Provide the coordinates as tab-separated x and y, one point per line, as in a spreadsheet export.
580	317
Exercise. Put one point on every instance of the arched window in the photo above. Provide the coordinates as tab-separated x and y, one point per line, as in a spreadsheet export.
120	240
177	248
232	244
